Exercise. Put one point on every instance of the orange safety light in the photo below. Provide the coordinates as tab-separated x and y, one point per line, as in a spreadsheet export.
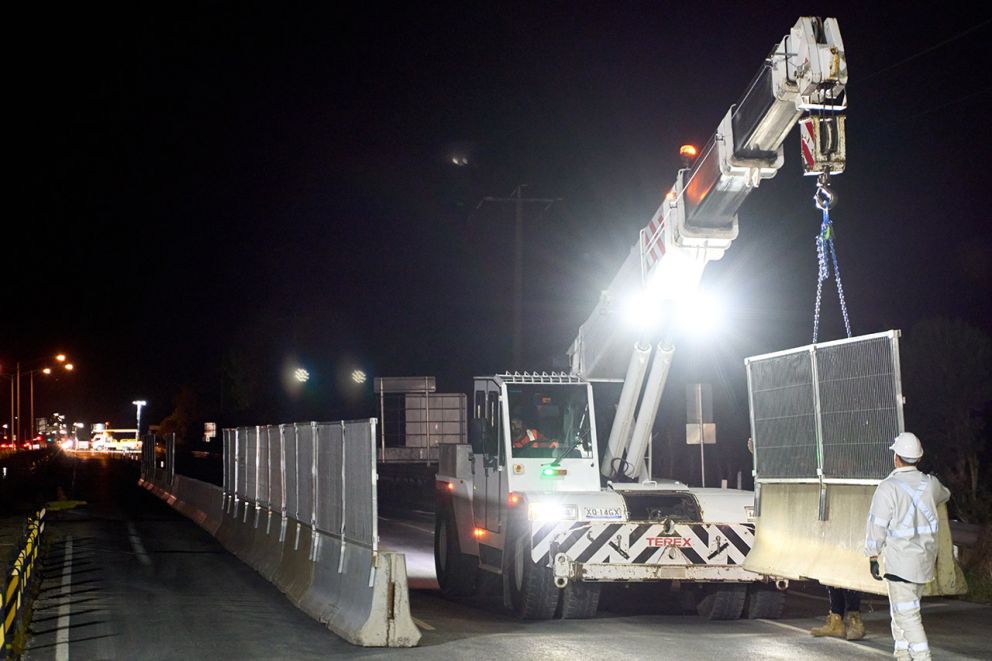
451	486
479	533
688	151
514	499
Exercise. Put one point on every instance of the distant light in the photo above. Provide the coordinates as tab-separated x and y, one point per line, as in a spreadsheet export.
358	376
47	370
60	357
70	366
138	402
301	375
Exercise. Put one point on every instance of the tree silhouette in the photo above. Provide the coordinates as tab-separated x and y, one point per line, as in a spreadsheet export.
947	379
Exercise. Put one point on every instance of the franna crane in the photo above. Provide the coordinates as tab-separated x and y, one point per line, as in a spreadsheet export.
529	499
802	81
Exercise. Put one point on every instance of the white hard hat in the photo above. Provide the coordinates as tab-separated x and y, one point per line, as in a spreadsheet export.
907	446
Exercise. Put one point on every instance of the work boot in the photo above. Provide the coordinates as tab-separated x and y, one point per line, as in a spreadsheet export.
834	627
855	626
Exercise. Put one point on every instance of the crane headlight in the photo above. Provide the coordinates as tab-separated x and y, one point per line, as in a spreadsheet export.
547	511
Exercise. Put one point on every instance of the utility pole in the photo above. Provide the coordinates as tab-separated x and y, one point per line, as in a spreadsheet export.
518	199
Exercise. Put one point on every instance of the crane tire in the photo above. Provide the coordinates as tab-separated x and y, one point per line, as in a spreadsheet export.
533	594
456	571
764	602
725	602
579	601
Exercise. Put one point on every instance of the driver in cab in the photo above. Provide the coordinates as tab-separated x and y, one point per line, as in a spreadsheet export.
529	438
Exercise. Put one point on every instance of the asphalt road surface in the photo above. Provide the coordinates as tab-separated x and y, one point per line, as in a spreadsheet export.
126	577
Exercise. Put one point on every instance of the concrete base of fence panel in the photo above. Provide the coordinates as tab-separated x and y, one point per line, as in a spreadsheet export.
792	542
361	595
199	501
266	553
295	572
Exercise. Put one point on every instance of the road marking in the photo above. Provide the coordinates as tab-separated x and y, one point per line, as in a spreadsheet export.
423	625
828	638
139	548
65	605
408	525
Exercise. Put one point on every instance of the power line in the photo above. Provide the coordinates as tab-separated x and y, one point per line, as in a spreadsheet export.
928	50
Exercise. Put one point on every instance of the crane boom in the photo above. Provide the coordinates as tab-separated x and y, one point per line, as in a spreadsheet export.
805	74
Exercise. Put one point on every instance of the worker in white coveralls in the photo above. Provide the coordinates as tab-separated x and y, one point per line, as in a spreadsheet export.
902	529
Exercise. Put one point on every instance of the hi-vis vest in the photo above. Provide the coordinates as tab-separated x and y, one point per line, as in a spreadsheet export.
902	523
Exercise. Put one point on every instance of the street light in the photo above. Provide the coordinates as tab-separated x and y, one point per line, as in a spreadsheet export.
137	427
46	371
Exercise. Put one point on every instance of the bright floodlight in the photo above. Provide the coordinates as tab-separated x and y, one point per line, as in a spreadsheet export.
641	312
301	375
140	402
358	376
701	315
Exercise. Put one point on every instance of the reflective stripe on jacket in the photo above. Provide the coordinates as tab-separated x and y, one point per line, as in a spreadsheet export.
902	523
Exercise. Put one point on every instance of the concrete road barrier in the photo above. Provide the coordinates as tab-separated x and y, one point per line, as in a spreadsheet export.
299	506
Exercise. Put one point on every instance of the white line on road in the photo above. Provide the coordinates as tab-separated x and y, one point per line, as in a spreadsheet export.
423	625
827	638
139	548
65	605
408	525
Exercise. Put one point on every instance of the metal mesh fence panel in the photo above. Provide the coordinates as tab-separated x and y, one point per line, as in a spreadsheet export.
783	416
263	466
361	509
275	467
842	424
251	463
304	472
225	445
859	411
330	486
240	462
289	437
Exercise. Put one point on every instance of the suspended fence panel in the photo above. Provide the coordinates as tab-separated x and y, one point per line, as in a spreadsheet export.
826	411
783	416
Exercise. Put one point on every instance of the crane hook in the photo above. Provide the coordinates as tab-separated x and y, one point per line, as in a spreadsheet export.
824	198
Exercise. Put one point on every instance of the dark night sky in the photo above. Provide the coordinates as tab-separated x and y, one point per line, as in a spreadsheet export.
274	181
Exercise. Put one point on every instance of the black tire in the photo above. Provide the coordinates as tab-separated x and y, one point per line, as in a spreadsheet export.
725	602
533	594
764	602
579	601
456	571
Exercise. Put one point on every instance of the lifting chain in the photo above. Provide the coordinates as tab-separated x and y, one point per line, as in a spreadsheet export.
825	198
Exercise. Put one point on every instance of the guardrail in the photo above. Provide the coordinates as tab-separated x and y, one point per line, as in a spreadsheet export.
17	580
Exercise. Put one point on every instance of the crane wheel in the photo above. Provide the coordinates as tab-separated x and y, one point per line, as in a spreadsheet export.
764	602
533	594
456	571
725	602
579	601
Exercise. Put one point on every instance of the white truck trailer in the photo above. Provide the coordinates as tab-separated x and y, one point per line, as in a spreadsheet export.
529	499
